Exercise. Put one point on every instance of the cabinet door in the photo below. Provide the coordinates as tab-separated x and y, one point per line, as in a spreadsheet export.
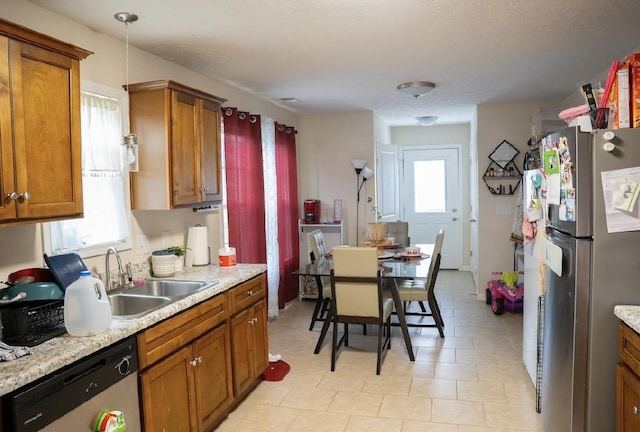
168	394
214	390
185	149
241	351
7	185
260	345
211	154
628	400
46	127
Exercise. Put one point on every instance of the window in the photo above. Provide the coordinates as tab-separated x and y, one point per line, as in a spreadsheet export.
432	173
105	183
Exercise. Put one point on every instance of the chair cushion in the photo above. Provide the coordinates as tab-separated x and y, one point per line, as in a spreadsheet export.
387	308
413	290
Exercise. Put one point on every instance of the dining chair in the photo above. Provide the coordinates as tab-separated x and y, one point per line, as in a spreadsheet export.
317	250
423	291
356	291
400	231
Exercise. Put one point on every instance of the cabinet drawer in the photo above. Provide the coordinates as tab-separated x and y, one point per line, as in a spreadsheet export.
629	348
166	337
246	294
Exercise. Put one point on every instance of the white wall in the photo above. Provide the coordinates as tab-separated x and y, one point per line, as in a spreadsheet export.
497	122
22	245
438	136
326	145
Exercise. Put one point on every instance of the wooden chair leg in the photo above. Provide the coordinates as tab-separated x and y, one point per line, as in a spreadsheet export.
379	362
334	345
317	312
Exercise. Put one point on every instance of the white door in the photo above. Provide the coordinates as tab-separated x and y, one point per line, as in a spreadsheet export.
387	182
431	199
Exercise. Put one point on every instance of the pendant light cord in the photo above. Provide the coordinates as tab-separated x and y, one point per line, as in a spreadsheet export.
126	26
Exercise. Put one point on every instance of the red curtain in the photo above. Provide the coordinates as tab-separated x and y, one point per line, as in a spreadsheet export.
287	184
245	185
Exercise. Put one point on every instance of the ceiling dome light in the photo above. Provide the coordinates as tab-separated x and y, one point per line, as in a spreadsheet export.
416	88
426	120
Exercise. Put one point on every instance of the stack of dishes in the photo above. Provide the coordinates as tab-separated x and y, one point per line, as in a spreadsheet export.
163	263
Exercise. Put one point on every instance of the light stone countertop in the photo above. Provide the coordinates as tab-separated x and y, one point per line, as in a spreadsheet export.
64	350
630	315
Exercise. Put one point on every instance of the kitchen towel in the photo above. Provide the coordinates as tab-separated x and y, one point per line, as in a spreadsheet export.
197	247
8	352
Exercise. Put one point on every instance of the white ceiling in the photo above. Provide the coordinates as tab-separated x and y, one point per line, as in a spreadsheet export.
349	55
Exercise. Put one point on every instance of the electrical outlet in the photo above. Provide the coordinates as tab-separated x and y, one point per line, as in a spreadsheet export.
165	239
503	209
143	244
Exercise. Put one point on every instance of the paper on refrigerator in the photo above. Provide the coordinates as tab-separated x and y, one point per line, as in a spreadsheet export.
621	189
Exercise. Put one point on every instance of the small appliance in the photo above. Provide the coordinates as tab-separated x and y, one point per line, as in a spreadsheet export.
312	211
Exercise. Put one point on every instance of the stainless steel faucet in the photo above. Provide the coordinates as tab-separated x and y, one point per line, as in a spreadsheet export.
122	277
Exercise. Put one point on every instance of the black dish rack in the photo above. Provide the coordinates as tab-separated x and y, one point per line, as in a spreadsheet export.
30	323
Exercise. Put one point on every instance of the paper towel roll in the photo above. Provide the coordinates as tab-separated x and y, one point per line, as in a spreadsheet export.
197	247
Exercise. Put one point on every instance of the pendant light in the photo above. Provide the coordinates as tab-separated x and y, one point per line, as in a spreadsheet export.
129	141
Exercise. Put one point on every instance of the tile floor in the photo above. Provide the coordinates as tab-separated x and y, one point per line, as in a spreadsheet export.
471	381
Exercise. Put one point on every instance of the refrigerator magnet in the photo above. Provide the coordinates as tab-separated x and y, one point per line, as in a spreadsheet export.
551	161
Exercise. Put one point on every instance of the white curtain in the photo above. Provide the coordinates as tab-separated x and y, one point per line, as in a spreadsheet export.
271	212
102	179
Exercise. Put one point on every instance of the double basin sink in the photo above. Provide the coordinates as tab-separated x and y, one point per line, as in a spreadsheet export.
137	301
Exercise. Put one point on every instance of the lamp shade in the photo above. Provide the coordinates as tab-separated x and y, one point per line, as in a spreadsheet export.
427	120
358	164
416	88
367	173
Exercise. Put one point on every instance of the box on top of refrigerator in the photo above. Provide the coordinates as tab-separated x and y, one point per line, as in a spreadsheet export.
634	64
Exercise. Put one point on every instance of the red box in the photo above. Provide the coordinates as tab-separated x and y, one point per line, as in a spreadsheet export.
312	211
634	62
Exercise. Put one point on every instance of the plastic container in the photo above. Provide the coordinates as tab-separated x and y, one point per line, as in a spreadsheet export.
227	257
87	311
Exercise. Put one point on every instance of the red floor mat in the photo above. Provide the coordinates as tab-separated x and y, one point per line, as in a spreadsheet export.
276	371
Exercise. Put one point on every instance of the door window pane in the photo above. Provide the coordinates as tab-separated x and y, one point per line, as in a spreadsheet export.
429	187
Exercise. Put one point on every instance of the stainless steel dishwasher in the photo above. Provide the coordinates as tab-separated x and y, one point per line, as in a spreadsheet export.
71	398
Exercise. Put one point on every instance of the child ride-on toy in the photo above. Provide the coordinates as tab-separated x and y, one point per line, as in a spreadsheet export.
505	293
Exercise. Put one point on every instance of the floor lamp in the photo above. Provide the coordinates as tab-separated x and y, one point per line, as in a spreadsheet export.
360	166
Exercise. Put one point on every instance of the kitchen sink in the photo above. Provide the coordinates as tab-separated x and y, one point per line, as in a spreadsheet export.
131	306
137	301
168	288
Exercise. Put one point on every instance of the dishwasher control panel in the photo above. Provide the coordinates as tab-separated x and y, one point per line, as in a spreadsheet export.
32	407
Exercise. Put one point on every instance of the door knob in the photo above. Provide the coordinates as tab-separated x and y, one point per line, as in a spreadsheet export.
12	196
454	219
24	196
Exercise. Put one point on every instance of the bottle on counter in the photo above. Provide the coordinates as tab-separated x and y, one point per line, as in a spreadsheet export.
87	311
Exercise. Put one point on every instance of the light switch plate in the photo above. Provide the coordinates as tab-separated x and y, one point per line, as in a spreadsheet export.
503	209
143	244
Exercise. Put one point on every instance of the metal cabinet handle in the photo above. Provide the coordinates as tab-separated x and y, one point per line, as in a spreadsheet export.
250	293
199	358
635	410
12	196
193	362
24	196
454	219
252	321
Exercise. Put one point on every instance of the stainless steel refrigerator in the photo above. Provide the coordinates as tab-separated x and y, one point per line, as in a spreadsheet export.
594	233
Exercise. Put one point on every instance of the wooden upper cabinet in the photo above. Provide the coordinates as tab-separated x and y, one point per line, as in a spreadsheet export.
41	160
179	140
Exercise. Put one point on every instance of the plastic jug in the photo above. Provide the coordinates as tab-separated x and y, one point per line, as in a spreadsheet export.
87	310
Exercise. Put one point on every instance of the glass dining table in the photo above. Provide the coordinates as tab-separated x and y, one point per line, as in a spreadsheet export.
394	265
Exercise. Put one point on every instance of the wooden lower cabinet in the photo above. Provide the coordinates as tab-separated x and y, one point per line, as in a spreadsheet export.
249	348
191	389
196	366
628	381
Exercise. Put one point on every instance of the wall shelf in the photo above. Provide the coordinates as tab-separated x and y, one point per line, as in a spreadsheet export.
502	176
